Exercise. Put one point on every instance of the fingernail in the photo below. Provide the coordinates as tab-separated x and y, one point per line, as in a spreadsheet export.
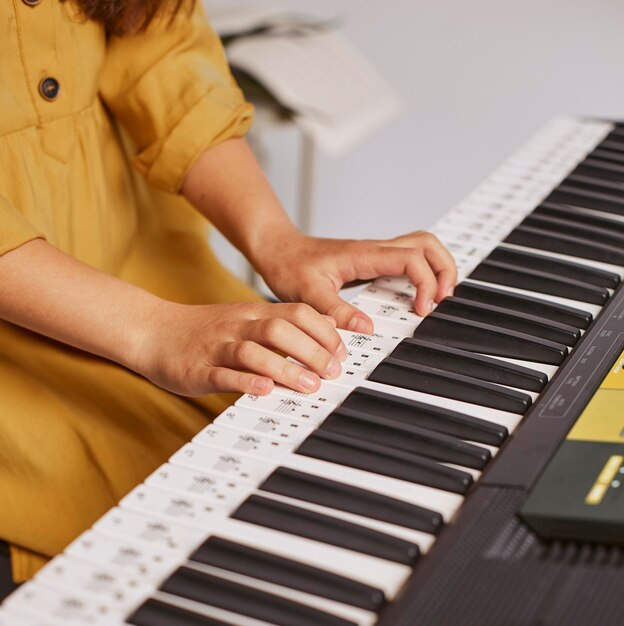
260	384
357	325
449	292
333	369
429	306
342	352
308	380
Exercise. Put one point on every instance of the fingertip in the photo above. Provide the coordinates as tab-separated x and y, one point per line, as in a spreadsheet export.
444	291
360	324
424	308
262	385
309	381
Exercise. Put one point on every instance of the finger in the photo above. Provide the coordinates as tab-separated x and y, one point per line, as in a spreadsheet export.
422	277
223	379
346	315
251	356
398	260
437	256
315	325
443	266
280	334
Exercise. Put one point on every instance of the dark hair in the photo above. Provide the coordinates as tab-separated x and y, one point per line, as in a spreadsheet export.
124	17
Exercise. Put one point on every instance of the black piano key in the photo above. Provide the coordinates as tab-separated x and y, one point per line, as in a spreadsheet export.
231	596
540	282
406	437
566	244
579	216
295	484
608	156
326	529
599	185
487	339
425	379
524	304
234	557
156	613
598	201
378	459
469	364
613	141
507	318
598	168
610	146
405	411
558	267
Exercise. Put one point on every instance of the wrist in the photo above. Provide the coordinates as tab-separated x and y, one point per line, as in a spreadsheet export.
271	247
151	317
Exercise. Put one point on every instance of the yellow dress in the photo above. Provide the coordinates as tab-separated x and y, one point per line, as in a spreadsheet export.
96	136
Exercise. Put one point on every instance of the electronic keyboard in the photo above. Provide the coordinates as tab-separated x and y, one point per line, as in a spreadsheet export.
394	495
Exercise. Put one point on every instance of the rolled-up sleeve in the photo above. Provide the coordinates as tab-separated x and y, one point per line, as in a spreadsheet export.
15	229
172	91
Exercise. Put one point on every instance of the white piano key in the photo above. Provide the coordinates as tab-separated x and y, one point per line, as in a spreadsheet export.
594	309
497	227
325	396
358	616
212	460
293	407
403	316
103	585
492	449
375	344
69	606
549	370
387	326
162	534
181	508
362	360
396	298
265	424
349	378
209	487
224	438
127	557
16	618
476	474
450	233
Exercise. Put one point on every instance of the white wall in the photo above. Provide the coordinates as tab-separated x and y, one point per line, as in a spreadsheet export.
477	78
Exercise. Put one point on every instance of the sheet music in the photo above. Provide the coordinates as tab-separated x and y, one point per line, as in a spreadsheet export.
338	97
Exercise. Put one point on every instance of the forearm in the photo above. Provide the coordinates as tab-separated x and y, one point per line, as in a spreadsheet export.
52	293
187	349
227	185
